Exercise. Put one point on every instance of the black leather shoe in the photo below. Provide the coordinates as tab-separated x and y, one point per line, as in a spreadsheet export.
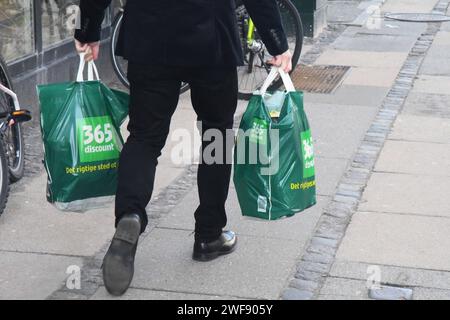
118	264
207	251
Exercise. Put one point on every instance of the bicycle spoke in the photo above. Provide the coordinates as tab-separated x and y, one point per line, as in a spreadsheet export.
248	83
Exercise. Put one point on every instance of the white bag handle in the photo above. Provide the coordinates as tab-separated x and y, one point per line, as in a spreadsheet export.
92	70
271	78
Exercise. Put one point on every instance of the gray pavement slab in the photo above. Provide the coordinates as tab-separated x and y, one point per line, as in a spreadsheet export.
297	228
350	95
399	276
375	77
164	262
420	158
431	105
377	42
404	193
390	27
418	128
31	224
446	25
436	66
328	173
409	6
362	58
338	297
431	294
438	51
145	294
27	276
432	84
398	240
442	39
436	61
345	288
337	130
343	11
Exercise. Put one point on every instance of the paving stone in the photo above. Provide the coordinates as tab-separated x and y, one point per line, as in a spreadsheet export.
350	95
390	27
298	227
374	43
303	285
328	173
431	294
344	287
422	158
390	293
432	84
323	242
333	137
314	267
391	275
363	58
295	294
446	26
252	278
437	52
404	193
318	257
435	67
431	105
338	297
140	294
419	128
309	275
321	249
31	224
442	38
397	240
342	11
409	6
30	276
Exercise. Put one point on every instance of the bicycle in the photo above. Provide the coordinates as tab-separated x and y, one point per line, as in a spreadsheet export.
255	69
11	139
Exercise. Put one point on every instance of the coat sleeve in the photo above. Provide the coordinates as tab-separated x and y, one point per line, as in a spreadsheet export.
92	13
267	19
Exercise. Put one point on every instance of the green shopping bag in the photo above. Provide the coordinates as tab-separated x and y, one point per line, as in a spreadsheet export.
274	172
80	124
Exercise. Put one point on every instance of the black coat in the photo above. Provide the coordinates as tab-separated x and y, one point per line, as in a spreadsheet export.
184	32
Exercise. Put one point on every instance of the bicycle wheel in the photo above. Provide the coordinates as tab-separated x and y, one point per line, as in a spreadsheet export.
12	138
120	64
4	179
255	69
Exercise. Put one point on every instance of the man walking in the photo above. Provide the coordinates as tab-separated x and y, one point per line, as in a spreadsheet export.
167	42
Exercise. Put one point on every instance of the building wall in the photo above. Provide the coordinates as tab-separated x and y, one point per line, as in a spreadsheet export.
36	41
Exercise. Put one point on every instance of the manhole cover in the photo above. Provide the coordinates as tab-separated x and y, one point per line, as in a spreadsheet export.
318	79
417	17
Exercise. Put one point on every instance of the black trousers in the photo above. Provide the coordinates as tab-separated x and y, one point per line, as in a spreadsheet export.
154	97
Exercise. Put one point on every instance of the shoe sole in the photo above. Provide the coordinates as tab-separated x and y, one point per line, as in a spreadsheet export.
117	274
206	257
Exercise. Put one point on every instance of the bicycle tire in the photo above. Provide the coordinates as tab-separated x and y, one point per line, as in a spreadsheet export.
13	138
297	27
4	179
121	74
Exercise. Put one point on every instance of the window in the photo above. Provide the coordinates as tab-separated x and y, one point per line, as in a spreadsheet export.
58	20
16	29
36	33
